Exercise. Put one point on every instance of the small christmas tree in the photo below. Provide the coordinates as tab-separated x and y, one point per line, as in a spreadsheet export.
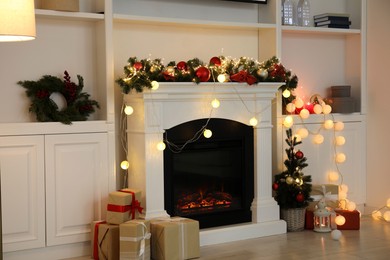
292	187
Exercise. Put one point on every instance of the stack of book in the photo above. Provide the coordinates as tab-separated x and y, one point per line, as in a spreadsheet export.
332	20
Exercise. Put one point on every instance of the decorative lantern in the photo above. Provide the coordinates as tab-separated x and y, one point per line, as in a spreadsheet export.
322	218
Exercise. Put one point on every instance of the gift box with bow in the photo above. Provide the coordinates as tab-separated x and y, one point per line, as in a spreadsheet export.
123	205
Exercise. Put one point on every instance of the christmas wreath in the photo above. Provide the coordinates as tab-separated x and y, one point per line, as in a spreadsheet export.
139	74
78	105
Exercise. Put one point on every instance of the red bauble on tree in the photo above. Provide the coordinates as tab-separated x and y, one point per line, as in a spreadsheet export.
300	197
299	154
203	74
215	61
138	65
182	65
275	186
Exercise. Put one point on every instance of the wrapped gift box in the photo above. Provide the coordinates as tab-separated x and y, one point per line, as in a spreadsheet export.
352	219
61	5
123	205
328	191
175	239
105	241
134	240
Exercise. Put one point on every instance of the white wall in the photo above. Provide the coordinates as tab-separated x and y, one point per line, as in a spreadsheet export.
378	137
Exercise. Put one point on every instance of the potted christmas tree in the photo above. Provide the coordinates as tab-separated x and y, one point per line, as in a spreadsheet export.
292	188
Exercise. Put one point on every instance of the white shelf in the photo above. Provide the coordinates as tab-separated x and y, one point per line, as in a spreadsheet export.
318	30
190	22
82	16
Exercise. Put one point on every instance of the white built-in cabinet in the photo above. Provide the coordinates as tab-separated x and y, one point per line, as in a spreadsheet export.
49	192
53	185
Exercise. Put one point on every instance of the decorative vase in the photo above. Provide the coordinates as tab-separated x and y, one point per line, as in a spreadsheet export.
295	218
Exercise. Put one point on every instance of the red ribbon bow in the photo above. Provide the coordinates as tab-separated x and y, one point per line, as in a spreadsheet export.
135	204
243	76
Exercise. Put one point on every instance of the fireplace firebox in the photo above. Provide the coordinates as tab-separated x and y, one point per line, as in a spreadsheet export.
210	180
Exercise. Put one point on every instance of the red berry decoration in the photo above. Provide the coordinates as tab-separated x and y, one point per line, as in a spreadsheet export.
300	197
299	155
275	186
138	65
215	61
182	65
203	74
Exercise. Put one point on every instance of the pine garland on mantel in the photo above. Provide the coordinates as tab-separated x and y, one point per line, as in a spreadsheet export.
141	73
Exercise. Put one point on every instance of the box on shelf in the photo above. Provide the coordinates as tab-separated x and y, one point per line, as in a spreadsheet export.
123	205
61	5
175	238
104	240
134	240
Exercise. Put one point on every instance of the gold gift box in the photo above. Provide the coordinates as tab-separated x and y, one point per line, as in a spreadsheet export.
61	5
105	243
175	239
134	240
328	191
123	205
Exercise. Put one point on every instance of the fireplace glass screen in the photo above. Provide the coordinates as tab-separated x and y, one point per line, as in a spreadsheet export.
211	180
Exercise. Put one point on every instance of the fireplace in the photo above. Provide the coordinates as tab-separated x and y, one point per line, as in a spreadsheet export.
210	180
174	104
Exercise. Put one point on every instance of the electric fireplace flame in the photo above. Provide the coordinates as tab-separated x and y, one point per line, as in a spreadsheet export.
201	202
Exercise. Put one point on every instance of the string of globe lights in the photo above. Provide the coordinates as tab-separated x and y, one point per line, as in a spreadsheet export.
318	106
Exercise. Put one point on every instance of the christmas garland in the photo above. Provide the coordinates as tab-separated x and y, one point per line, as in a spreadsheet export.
139	74
78	105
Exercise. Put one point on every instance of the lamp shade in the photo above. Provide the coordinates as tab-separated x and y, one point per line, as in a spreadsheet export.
17	20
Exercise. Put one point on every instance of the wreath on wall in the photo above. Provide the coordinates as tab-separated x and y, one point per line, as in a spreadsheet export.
78	105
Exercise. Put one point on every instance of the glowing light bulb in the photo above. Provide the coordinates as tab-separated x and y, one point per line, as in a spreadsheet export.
155	85
339	220
128	110
339	126
340	140
286	93
340	157
388	203
328	124
318	139
253	121
386	215
342	195
125	165
215	103
298	102
161	146
326	109
207	133
351	206
317	109
288	121
304	113
223	78
303	132
333	176
290	107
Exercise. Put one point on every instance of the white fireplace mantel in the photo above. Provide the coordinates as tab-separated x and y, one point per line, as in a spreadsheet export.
175	103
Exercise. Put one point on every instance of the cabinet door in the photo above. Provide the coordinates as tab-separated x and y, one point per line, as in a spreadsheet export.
76	185
22	192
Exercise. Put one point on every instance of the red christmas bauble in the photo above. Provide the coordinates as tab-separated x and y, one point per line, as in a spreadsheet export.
138	65
299	155
275	186
203	74
215	61
182	65
300	197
